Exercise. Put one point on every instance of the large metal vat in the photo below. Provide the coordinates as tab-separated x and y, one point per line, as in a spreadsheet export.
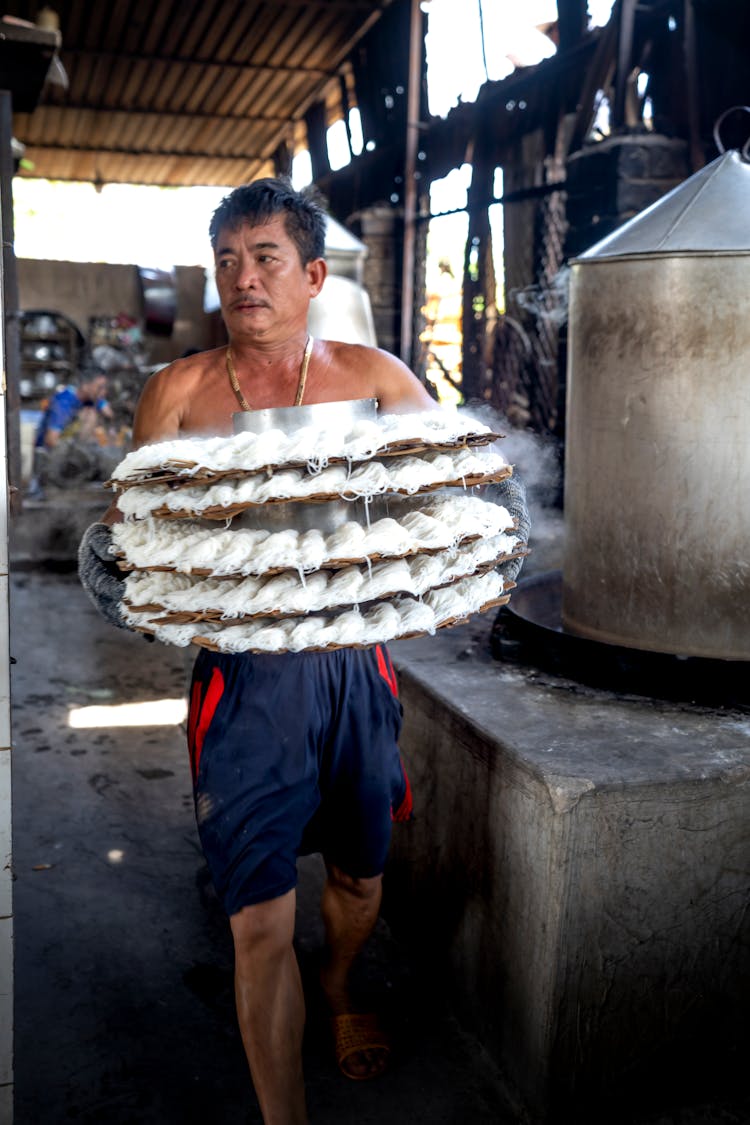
657	480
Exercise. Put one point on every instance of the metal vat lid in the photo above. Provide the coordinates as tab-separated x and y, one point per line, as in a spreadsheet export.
707	214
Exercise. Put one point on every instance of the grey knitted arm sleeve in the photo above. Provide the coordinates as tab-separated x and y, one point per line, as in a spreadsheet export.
511	493
99	574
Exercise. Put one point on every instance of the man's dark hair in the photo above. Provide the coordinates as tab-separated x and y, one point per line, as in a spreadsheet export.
256	203
88	374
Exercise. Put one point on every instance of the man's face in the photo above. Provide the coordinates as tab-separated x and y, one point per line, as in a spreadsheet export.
93	389
263	287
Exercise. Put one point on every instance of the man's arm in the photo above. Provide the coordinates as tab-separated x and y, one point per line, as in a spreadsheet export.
160	408
511	494
157	417
51	438
401	392
99	573
398	390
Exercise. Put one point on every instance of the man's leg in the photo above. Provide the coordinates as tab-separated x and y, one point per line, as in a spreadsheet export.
270	1007
350	910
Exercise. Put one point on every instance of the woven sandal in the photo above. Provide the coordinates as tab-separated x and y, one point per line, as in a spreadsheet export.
353	1034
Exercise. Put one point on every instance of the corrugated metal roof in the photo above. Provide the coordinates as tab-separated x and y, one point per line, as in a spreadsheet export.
186	91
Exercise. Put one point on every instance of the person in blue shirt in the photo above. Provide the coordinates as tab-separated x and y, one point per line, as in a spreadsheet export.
74	409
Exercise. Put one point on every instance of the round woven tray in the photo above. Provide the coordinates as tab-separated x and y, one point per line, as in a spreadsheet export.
448	623
223	513
185	617
187	473
327	564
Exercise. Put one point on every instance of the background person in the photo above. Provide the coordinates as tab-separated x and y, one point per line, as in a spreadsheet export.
74	412
75	409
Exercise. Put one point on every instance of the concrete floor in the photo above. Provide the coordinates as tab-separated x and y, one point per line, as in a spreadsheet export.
124	1009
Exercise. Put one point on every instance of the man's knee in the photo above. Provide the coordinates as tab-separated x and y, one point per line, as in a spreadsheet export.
265	929
359	888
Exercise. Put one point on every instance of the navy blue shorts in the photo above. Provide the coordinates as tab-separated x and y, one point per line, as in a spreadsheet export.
291	754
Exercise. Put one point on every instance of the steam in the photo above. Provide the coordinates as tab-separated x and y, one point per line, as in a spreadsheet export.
545	302
536	460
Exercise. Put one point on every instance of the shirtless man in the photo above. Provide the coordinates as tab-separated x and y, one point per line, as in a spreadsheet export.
323	726
269	245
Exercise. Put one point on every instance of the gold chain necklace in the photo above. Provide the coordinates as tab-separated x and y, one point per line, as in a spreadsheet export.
300	386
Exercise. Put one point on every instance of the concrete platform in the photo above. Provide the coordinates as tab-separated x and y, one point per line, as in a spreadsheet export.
582	863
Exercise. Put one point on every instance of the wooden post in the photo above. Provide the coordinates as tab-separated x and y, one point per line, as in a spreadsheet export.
10	304
282	159
479	274
571	22
416	48
690	48
317	141
626	27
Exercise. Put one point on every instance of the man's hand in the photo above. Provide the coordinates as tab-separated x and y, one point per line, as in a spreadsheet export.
100	576
512	495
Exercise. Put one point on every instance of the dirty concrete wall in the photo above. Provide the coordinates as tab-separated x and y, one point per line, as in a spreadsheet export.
463	883
85	289
578	871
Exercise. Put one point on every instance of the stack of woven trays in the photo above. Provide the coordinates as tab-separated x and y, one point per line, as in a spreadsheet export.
314	538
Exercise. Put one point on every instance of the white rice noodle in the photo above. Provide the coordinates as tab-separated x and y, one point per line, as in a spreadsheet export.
249	451
382	623
287	594
188	545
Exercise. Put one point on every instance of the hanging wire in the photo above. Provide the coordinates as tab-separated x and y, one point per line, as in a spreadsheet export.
481	35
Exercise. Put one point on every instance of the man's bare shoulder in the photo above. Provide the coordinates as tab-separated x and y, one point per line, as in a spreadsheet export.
182	373
381	375
166	399
360	355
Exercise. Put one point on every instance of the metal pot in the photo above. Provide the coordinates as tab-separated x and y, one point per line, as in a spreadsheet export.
657	480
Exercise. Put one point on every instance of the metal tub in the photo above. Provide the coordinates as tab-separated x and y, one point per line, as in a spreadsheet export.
657	480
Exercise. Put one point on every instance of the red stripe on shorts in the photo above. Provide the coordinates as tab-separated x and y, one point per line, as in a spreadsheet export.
405	809
202	714
385	667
